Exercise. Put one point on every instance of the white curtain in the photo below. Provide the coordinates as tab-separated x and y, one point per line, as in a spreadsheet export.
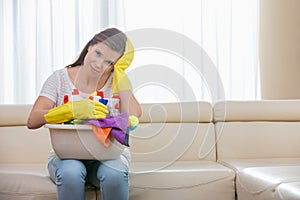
39	37
227	30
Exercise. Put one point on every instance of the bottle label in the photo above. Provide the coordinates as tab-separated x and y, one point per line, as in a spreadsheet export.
113	106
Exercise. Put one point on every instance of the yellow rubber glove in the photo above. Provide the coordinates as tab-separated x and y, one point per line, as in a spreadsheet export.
82	109
120	80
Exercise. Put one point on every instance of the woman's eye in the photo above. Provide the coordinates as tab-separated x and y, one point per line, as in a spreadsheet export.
109	63
98	53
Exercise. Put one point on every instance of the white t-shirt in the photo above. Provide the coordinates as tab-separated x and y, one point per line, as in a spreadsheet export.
59	84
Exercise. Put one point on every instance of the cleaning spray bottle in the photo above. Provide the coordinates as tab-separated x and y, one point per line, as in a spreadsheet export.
73	97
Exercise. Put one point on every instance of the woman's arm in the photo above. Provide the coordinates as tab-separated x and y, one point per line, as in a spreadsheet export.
129	104
41	107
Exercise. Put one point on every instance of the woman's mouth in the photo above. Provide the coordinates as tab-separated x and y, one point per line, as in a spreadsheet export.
94	70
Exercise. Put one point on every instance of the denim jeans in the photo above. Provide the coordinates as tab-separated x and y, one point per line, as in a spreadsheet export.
71	176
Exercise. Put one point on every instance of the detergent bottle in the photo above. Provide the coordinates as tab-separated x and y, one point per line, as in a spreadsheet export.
99	97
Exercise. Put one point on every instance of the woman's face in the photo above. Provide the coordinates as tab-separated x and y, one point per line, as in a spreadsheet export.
100	58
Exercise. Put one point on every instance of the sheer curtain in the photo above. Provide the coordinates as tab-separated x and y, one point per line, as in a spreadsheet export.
41	36
227	30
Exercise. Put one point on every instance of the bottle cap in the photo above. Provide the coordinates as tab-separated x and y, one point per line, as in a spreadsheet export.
100	93
66	99
75	92
104	101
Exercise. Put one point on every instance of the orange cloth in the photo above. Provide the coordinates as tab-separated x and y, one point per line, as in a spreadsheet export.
102	134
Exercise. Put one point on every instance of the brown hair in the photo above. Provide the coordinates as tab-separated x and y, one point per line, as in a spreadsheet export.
112	37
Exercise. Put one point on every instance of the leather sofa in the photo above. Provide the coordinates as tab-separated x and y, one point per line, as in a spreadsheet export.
191	150
260	141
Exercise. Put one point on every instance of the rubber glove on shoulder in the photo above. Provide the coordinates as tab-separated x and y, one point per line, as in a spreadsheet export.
82	109
120	80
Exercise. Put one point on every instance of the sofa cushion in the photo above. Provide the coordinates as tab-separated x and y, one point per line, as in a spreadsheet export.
264	110
177	112
18	144
177	175
26	186
263	182
26	181
14	114
257	139
31	182
289	190
178	179
240	164
40	169
152	142
283	191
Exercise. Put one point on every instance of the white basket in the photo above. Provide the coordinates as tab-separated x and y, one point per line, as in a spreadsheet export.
79	142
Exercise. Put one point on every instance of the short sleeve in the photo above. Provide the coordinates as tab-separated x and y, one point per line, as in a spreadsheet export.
50	87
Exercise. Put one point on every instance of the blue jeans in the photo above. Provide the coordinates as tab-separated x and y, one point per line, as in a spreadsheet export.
71	176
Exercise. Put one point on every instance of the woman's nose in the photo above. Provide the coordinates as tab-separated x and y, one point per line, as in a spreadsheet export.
100	63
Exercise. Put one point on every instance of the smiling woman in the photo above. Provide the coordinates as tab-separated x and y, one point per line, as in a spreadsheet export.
92	71
100	57
97	59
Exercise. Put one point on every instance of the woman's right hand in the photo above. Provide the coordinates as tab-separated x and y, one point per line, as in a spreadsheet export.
81	109
88	109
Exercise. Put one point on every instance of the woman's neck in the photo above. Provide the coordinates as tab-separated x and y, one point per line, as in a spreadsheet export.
88	84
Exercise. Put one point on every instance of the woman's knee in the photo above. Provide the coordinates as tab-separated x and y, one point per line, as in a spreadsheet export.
114	184
71	171
112	176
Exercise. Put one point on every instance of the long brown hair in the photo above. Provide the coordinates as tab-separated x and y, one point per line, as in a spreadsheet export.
112	37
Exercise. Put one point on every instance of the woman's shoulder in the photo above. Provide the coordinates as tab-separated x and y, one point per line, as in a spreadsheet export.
59	72
58	75
65	72
72	72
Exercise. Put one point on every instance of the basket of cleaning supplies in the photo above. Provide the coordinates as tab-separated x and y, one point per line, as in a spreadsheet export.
78	141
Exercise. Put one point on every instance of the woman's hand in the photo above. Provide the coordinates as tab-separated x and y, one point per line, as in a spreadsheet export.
82	109
120	80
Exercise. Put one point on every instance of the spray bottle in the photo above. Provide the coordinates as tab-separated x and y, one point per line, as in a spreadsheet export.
74	97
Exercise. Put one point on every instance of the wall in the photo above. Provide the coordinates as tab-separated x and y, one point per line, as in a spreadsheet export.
280	49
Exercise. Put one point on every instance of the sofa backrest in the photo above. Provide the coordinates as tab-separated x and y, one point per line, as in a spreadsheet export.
174	131
257	129
28	146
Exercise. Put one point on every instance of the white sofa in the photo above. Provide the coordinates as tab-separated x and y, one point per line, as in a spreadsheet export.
233	150
260	140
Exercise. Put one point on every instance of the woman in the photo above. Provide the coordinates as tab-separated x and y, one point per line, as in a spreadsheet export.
100	66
